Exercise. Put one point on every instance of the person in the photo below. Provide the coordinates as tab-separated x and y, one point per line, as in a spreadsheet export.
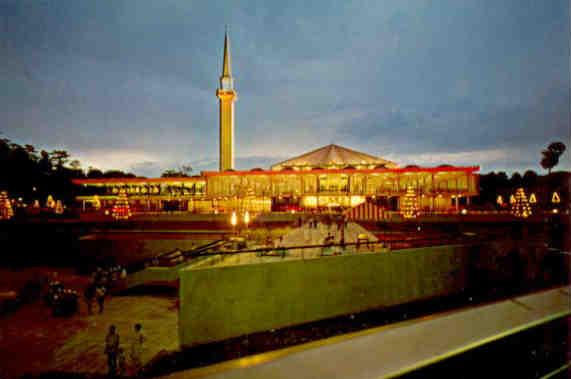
97	275
123	275
111	349
121	363
137	348
100	296
89	295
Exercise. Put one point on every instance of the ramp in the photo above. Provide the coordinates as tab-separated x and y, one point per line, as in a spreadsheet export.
397	349
167	274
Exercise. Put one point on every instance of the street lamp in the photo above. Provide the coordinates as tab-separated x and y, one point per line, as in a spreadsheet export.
233	221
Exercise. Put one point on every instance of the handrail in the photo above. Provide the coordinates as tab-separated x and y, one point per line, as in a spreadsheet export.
266	249
203	247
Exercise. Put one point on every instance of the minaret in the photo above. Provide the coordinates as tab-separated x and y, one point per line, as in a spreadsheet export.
227	96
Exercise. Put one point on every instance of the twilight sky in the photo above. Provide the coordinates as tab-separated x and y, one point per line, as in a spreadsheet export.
131	84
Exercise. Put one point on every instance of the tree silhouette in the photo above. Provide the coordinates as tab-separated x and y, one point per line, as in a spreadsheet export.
59	158
529	178
551	156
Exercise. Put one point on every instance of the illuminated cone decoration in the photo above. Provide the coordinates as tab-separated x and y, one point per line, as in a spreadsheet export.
96	202
409	208
555	199
50	202
500	200
532	199
121	209
521	208
59	207
6	211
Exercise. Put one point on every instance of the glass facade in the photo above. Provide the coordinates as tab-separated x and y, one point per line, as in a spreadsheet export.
438	189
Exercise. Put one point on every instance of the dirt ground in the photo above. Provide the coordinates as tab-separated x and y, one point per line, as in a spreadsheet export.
33	341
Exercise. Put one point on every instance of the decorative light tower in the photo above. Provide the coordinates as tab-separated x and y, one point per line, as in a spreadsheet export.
410	204
521	208
555	199
50	202
58	209
121	209
233	221
227	97
6	211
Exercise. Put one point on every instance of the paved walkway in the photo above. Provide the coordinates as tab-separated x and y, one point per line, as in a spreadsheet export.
83	352
303	235
33	341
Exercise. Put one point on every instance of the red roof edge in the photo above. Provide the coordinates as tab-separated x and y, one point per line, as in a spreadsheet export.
205	174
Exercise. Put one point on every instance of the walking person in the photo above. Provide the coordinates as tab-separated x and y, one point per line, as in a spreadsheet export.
89	295
137	344
112	349
100	293
121	362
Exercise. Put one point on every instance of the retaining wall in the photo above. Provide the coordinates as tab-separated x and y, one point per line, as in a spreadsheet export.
223	302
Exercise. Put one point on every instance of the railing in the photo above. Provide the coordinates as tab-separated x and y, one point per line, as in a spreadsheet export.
178	256
350	247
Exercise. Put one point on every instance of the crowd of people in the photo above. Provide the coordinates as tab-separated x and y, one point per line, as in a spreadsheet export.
122	359
100	282
116	354
62	301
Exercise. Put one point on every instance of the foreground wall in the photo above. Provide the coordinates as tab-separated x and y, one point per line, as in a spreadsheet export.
224	302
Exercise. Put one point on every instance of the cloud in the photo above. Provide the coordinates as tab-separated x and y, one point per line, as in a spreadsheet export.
398	79
118	159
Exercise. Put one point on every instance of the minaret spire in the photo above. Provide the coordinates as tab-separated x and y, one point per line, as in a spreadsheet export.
227	96
227	65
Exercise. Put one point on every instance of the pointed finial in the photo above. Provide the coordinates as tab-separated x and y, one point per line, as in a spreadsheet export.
226	67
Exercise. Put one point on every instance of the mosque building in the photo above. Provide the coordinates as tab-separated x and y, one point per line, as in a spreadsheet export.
330	177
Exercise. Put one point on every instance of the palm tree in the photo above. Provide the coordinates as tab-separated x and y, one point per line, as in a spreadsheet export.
551	156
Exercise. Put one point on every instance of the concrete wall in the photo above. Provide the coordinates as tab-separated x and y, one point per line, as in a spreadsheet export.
224	302
152	275
162	275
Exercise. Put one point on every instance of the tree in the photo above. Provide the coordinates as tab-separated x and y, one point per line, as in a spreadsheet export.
117	174
182	172
45	162
75	165
551	156
59	157
93	173
515	180
529	178
31	150
186	169
170	173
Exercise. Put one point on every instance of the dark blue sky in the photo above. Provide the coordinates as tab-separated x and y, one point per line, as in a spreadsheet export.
131	84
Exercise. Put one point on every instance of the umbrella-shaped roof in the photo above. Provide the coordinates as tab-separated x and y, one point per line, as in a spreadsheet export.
333	156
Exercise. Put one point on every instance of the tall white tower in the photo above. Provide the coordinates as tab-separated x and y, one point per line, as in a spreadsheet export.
227	97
